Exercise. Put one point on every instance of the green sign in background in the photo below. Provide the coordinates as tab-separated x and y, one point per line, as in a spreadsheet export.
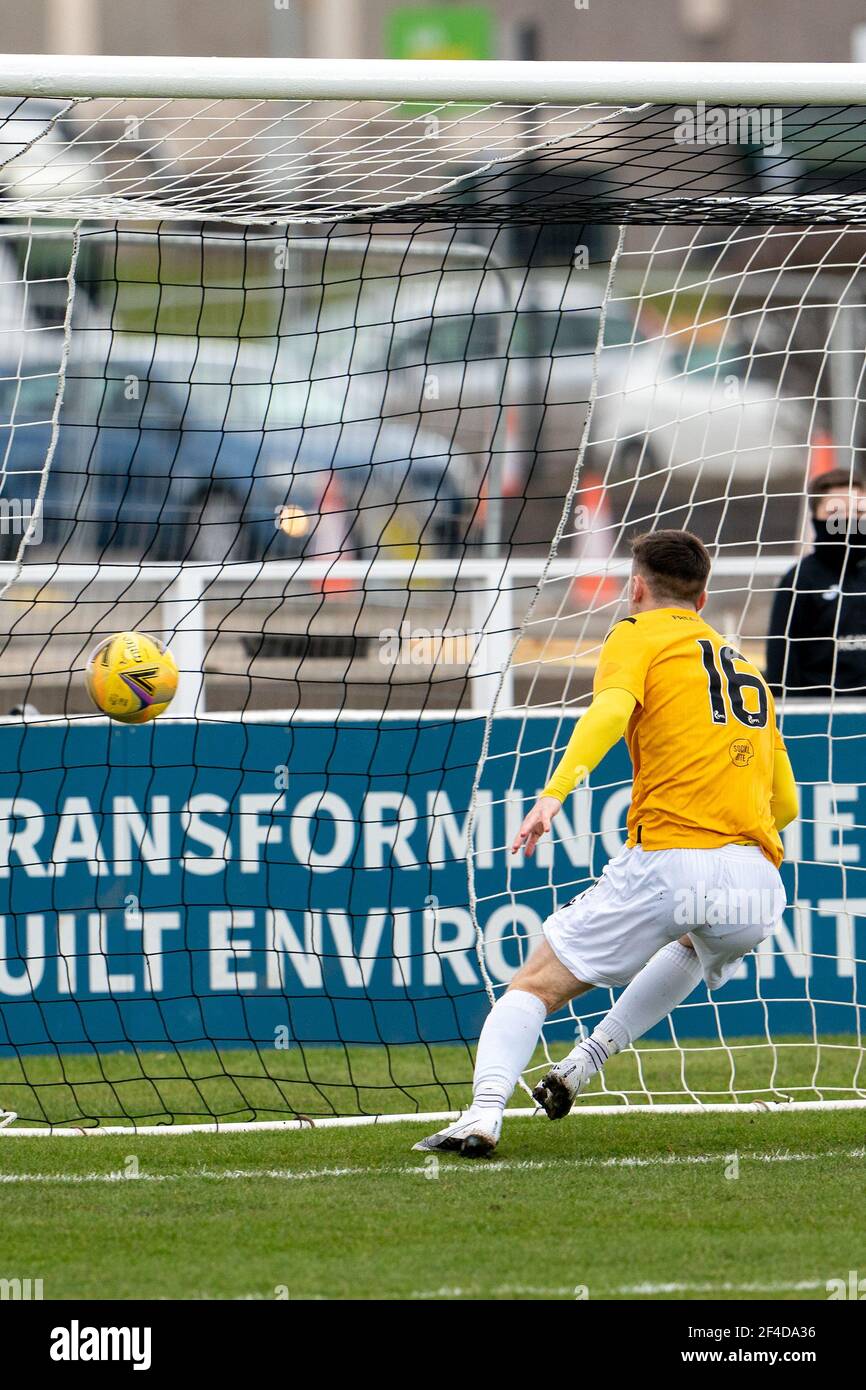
438	31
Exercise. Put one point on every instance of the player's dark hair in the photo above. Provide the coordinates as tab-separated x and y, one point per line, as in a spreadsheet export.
675	564
834	480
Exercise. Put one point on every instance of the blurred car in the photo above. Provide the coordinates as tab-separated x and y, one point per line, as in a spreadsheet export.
505	360
38	154
525	342
125	477
702	409
501	338
215	464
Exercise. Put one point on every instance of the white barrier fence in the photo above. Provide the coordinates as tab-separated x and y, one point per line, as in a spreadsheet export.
492	586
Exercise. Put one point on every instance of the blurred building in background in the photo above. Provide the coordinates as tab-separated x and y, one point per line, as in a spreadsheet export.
671	30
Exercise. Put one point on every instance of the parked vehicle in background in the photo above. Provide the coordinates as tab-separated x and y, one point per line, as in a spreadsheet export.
36	152
699	411
497	339
186	450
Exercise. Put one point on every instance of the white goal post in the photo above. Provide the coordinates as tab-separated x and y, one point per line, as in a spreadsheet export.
300	355
393	80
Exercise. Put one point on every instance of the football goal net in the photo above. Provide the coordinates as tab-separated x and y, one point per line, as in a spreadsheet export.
351	382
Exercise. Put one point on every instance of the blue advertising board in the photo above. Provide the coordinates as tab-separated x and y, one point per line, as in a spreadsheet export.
187	883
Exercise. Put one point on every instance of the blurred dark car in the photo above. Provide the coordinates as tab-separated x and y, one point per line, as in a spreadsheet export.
160	470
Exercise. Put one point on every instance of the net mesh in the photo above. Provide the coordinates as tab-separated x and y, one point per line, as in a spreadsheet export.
739	383
357	406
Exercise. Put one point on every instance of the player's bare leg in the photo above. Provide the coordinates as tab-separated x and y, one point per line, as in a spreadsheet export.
508	1040
655	991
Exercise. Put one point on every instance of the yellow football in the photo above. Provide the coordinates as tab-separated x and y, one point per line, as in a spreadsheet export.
131	677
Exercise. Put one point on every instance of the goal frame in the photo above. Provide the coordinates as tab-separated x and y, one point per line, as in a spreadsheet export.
527	83
390	79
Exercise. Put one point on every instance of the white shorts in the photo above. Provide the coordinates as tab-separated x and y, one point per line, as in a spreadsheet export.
726	900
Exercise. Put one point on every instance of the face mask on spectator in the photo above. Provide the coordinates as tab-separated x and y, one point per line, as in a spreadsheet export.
833	536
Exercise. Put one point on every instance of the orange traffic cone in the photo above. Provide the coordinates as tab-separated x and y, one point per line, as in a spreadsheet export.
512	465
332	530
822	454
594	536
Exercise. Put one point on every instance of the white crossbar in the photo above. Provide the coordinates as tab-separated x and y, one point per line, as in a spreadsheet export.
352	79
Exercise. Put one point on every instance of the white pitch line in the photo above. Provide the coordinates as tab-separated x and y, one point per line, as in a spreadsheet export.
226	1175
569	1291
423	1169
662	1161
692	1109
623	1290
802	1286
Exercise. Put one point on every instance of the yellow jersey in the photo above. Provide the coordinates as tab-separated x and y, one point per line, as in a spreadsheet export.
702	738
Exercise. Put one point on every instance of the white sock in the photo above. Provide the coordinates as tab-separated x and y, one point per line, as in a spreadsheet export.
507	1042
655	991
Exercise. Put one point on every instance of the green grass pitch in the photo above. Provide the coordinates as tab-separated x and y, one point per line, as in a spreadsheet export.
737	1206
630	1207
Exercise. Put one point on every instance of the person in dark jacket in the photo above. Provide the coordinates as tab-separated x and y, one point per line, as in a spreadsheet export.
817	639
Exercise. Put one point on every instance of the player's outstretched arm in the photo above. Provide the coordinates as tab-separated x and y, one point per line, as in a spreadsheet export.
785	803
595	733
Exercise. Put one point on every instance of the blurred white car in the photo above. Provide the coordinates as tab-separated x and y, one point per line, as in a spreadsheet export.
502	338
38	156
702	410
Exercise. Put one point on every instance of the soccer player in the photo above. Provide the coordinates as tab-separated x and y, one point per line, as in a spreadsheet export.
712	789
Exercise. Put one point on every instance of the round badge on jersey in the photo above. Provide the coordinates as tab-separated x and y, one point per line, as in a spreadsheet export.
742	751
